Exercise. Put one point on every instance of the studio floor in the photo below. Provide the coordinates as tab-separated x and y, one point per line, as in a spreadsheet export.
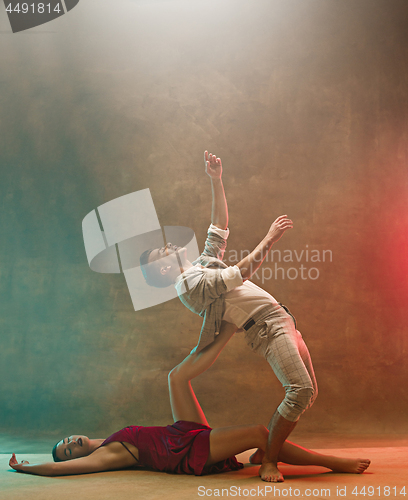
387	477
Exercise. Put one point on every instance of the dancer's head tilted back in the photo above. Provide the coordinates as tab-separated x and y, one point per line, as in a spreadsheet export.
161	266
72	447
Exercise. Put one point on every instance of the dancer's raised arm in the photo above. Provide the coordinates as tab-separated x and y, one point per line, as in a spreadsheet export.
213	168
251	263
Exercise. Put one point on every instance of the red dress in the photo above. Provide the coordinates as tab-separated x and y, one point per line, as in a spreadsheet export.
180	448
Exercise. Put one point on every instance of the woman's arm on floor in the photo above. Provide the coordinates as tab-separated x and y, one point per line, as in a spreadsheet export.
103	459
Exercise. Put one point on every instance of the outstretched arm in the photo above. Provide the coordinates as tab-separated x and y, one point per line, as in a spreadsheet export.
251	263
109	457
213	168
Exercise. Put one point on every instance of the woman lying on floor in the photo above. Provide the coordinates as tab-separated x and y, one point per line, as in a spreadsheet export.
189	446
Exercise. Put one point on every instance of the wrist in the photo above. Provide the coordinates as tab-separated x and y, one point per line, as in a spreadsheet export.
269	240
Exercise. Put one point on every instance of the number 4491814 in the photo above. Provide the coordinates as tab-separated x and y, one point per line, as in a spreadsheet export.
39	8
382	491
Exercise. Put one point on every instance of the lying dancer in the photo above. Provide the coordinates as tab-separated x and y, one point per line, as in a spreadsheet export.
217	292
204	450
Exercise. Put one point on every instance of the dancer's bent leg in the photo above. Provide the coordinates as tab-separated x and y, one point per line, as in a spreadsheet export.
184	404
284	353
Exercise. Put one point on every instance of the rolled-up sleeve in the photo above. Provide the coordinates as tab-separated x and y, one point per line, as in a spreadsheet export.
232	277
216	242
224	233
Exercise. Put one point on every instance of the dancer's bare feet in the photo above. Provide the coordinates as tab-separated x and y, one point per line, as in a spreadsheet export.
350	465
269	472
256	458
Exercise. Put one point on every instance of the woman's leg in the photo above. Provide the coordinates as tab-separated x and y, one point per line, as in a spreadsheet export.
228	441
184	404
296	455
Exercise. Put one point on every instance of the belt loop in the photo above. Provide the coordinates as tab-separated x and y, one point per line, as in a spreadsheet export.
249	324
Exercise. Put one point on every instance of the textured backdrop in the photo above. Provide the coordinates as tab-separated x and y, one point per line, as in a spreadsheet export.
306	102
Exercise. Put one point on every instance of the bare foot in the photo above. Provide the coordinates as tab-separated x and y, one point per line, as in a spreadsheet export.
256	458
351	465
269	472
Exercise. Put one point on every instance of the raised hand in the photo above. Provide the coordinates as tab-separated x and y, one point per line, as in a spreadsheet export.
281	224
213	166
14	463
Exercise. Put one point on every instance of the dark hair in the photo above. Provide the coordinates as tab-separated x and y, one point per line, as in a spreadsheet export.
54	454
152	274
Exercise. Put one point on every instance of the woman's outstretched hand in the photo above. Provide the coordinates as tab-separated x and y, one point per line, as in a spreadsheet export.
15	465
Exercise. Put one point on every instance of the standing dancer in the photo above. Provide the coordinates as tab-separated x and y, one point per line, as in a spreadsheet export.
217	292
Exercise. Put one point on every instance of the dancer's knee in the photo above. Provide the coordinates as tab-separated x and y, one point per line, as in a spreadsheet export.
173	375
296	401
304	397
